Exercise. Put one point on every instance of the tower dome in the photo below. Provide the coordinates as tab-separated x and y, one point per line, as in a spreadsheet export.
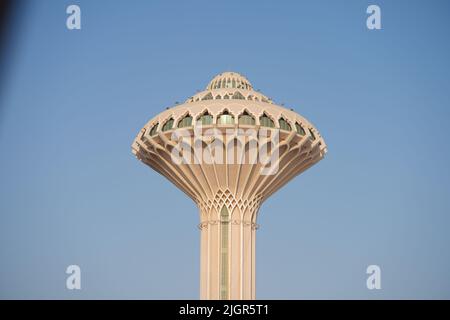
229	80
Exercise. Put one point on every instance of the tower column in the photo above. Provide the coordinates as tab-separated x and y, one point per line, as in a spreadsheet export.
227	262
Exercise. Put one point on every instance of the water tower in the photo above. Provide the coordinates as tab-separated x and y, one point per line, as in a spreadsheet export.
228	148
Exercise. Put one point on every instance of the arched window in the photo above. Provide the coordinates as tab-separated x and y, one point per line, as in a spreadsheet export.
206	118
245	118
300	129
225	118
265	121
224	254
234	84
312	136
218	97
154	129
238	95
226	96
208	96
250	97
185	122
284	125
168	125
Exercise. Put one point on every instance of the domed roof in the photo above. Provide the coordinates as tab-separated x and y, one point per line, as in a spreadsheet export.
229	80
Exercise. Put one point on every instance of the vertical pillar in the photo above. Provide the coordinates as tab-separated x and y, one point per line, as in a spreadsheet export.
204	258
213	260
253	292
236	261
228	256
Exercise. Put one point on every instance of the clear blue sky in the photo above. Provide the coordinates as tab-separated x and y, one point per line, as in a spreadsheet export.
71	192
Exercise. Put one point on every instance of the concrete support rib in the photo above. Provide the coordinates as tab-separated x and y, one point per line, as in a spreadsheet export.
225	176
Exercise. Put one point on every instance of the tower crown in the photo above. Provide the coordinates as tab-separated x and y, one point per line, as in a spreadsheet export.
227	80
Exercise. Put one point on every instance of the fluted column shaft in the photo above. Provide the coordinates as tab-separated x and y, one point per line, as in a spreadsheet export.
227	262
